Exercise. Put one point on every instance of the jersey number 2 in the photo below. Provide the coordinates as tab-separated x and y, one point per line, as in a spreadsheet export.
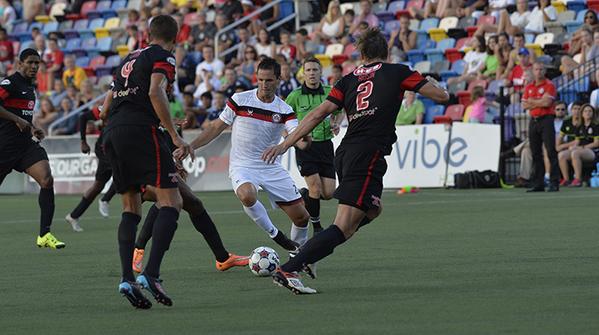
364	91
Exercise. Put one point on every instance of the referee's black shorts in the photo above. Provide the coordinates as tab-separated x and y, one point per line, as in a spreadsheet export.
317	159
360	169
139	156
104	170
21	158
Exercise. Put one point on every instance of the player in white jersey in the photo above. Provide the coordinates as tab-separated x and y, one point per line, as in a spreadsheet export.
259	118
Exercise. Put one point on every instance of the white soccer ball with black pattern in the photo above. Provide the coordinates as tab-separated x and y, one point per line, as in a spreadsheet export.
263	261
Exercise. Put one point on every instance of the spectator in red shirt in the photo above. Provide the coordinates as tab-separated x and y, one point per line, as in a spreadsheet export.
184	29
516	77
286	48
6	52
538	98
54	59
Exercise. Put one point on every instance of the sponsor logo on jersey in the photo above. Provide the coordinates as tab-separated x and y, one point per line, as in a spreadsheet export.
124	93
366	112
362	71
31	104
5	82
276	118
26	112
171	61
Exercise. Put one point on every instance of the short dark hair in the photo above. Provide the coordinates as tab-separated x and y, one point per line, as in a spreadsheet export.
372	44
164	27
206	95
270	64
338	67
578	103
2	29
519	34
28	52
560	102
312	59
350	12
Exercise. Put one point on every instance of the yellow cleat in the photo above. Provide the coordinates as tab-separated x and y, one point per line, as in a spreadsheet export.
138	258
233	260
49	241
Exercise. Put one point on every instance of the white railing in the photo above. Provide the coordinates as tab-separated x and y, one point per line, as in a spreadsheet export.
74	113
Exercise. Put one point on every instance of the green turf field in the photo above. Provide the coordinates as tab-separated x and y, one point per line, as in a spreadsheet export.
436	262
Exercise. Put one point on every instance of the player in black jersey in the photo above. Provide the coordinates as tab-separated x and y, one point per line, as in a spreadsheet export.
371	96
19	148
139	155
103	173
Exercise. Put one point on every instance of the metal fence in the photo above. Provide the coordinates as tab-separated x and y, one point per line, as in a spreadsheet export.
514	120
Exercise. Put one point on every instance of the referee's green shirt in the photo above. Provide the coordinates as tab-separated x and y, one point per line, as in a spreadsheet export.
303	100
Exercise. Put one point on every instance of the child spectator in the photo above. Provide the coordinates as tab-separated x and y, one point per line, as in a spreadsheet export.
286	48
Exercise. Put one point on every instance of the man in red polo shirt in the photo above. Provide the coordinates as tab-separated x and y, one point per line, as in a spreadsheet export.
538	98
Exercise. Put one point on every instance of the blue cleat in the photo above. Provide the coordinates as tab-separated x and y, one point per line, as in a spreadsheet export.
153	285
132	291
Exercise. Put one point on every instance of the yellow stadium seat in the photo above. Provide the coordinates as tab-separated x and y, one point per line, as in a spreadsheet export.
112	23
325	60
43	18
437	34
123	50
559	6
538	50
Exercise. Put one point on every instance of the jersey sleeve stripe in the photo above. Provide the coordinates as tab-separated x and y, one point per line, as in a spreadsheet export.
232	105
336	97
19	103
3	93
289	117
164	68
413	82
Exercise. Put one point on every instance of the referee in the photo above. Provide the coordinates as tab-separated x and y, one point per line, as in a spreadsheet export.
315	163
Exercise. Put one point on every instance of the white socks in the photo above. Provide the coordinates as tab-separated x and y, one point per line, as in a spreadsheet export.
299	234
260	216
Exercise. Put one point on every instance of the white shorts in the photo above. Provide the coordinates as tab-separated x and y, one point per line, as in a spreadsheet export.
276	181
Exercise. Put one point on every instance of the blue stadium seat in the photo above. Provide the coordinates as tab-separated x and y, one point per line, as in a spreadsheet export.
105	44
437	53
580	16
93	25
65	25
78	26
119	4
87	47
50	27
395	6
415	56
82	61
106	69
37	25
286	8
72	45
576	5
458	66
431	112
428	103
572	26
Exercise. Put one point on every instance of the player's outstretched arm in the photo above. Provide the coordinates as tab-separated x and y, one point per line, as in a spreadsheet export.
434	91
106	106
159	100
215	128
305	127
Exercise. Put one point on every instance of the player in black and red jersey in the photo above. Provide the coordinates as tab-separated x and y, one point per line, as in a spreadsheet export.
19	148
103	173
371	96
139	155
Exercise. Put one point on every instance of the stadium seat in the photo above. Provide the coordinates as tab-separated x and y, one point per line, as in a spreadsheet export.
436	54
428	103
122	50
430	113
104	81
566	16
559	6
485	19
43	18
440	66
333	50
538	50
106	69
423	66
87	47
464	97
379	7
454	54
105	44
349	5
576	6
529	38
65	25
437	34
87	7
118	5
390	26
50	27
418	4
78	26
82	61
573	26
111	24
325	60
72	45
452	113
449	22
415	56
97	61
395	6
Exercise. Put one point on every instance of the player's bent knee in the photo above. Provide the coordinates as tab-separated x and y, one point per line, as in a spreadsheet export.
47	181
247	195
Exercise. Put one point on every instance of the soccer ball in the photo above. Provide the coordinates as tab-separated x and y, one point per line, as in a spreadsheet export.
263	261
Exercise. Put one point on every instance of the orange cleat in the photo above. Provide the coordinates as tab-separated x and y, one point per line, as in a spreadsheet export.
138	258
232	261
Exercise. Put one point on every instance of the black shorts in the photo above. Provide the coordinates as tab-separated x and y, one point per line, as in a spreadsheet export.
319	158
139	156
360	169
104	170
20	160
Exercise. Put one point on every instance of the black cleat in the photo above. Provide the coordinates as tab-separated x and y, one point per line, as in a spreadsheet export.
287	244
553	188
536	189
132	291
310	270
153	285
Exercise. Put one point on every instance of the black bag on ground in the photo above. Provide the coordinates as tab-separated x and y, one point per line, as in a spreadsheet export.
477	179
